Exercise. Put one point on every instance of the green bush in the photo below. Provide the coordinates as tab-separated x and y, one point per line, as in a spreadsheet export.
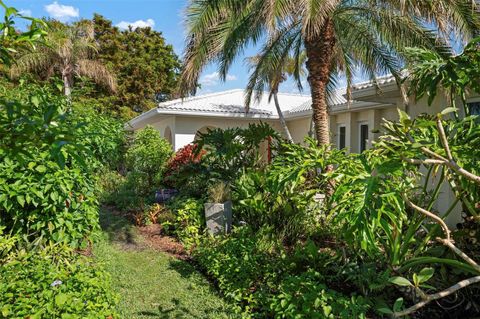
189	219
39	200
146	159
267	199
47	190
266	281
305	296
54	283
230	151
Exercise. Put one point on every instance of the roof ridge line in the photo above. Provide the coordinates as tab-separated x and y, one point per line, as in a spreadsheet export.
194	98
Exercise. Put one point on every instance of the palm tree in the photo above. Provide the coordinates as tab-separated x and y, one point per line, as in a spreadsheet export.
271	75
68	51
338	36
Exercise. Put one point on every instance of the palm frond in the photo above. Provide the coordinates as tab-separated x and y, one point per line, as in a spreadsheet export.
96	71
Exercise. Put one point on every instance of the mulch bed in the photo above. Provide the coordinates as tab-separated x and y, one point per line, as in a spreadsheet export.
156	240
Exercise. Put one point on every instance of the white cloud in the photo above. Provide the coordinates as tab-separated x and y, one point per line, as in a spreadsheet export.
123	25
62	12
213	78
25	12
231	77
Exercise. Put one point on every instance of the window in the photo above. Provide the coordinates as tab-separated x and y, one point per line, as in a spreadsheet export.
342	135
363	137
474	108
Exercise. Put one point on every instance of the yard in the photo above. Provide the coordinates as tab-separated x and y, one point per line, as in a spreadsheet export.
152	283
257	223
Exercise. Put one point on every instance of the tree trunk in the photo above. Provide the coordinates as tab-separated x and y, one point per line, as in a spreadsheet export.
319	51
66	85
281	118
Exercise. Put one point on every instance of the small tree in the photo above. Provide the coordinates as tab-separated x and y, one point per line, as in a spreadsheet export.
69	51
146	159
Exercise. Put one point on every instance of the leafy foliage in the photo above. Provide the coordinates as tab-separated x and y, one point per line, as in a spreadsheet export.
455	75
146	159
145	66
232	150
189	220
42	284
273	284
11	40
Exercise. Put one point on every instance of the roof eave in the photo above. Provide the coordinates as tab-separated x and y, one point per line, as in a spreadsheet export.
218	114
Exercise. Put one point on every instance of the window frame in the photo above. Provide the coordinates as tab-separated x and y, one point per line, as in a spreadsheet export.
360	124
339	134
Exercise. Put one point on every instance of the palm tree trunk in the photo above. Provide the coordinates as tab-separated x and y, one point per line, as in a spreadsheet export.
319	51
66	85
282	118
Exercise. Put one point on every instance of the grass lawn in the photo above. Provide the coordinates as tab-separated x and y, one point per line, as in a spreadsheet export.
152	284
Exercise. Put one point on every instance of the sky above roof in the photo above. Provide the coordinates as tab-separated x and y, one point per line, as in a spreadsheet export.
165	16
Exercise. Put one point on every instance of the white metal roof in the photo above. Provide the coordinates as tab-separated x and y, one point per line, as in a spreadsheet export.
231	102
336	98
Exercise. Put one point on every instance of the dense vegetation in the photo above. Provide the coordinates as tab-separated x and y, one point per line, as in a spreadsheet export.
145	66
317	233
373	246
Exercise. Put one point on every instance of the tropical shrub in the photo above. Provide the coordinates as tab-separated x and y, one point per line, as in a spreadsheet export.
47	190
184	171
265	281
305	296
266	199
189	219
230	151
146	159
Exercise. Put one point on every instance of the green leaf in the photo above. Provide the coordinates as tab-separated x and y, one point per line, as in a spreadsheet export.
35	100
400	281
403	116
448	110
398	304
21	200
327	310
60	299
6	311
41	169
425	274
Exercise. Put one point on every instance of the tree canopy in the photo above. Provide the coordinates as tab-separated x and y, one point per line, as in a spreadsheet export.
145	66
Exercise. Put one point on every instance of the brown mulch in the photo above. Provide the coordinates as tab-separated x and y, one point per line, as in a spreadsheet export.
156	240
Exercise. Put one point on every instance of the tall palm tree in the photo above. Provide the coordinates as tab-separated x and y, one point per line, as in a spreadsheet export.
271	75
338	36
68	51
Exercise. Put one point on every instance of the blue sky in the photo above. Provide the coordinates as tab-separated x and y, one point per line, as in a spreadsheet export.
163	15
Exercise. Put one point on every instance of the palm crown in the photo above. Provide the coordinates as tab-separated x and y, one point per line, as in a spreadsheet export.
68	51
338	37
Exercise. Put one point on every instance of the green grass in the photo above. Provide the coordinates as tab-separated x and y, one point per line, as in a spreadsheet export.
150	283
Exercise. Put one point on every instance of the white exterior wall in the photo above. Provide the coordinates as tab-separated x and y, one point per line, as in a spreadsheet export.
299	128
187	127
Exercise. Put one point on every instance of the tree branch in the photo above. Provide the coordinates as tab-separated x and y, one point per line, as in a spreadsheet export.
460	253
439	295
429	214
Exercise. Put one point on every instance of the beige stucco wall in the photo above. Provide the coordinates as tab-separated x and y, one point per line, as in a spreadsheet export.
187	127
299	128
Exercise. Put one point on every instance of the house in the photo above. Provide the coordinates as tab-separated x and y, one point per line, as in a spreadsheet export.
353	124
